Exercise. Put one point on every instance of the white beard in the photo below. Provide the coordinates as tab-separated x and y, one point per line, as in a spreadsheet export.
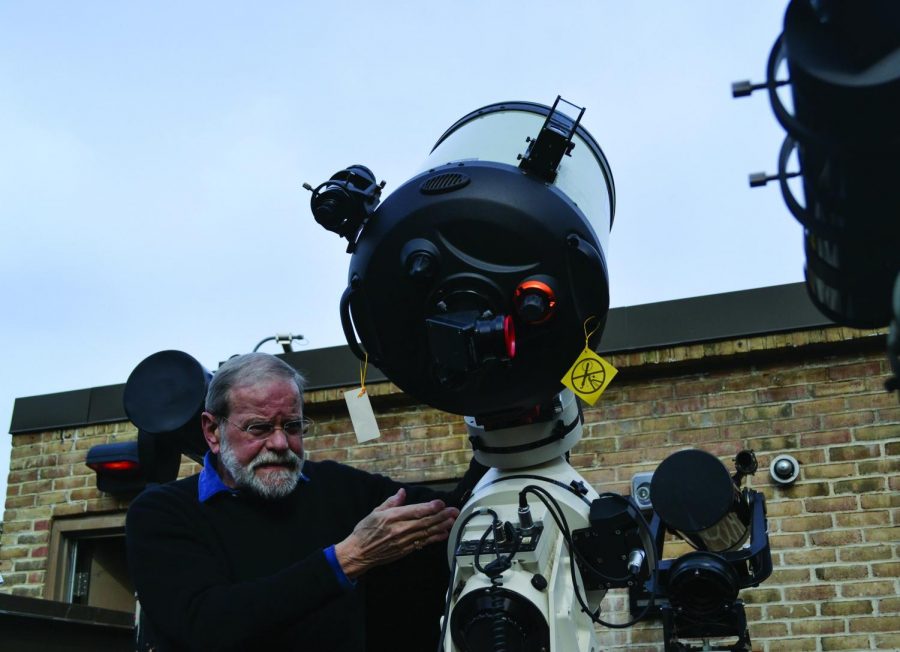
275	484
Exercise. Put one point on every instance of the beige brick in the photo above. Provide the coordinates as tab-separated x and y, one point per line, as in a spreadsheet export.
761	595
827	471
69	508
13	502
891	569
14	552
887	642
810	556
844	453
860	485
882	466
865	553
883	534
879	501
847	608
836	537
754	613
789	644
818	626
831	505
825	438
864	589
791	611
790	575
28	591
777	508
18	477
85	493
848	419
33	537
845	643
859	370
875	624
768	630
813	592
25	565
842	388
12	527
36	487
837	573
778	394
804	490
862	519
787	541
806	523
877	432
51	497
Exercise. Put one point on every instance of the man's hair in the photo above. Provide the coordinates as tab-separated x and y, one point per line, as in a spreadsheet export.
244	370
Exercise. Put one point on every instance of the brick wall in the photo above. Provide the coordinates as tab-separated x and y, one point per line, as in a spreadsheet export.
817	395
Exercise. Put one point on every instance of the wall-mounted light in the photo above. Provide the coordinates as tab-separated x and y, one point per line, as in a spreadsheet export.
784	470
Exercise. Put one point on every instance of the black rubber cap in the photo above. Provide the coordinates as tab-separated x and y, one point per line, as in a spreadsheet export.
692	491
165	392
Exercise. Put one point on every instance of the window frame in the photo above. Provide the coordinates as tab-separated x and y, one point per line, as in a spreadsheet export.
65	533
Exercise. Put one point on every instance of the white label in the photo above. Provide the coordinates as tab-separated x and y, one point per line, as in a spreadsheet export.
362	416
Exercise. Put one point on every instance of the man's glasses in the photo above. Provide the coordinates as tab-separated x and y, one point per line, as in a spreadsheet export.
263	429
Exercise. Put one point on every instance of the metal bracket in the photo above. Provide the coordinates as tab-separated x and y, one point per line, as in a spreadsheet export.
554	141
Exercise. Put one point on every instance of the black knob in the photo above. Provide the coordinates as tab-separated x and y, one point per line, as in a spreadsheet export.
421	266
533	307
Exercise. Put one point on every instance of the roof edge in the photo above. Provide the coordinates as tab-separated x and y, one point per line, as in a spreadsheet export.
744	313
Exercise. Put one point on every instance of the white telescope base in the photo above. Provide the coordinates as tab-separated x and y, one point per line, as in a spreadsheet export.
544	555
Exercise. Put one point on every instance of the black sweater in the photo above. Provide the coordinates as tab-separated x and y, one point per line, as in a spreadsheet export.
238	572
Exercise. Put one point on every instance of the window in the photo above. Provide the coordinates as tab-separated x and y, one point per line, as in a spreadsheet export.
87	563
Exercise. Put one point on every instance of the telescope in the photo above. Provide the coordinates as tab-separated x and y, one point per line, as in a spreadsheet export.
843	61
474	286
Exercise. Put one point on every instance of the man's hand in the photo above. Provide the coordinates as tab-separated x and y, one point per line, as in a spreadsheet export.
393	530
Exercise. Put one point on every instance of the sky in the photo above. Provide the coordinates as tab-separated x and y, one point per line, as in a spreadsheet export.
152	157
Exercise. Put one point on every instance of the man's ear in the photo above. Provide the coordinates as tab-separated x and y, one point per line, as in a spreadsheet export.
211	434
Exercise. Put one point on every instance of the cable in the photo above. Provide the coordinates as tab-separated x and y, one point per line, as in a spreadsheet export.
552	507
453	564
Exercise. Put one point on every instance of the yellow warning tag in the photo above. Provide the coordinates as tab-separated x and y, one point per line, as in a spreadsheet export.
591	374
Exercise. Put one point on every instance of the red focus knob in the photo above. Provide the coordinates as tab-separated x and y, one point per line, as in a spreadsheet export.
509	337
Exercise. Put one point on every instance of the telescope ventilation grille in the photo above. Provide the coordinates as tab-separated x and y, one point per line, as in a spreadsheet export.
447	182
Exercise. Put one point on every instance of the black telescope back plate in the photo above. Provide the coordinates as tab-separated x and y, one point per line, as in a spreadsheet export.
164	396
692	491
484	234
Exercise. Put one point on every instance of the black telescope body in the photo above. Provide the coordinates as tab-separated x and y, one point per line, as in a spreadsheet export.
844	65
696	497
470	285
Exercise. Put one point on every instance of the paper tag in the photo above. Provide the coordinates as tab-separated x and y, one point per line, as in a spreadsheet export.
589	376
361	415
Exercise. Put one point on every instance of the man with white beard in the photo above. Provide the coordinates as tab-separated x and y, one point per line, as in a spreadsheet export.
262	550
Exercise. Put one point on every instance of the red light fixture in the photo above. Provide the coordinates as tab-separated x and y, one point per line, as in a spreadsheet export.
115	466
118	467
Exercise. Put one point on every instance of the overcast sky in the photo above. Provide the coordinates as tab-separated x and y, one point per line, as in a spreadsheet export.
152	156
